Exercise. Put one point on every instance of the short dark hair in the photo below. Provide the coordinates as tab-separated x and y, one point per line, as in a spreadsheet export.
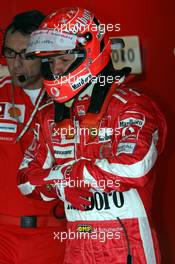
25	23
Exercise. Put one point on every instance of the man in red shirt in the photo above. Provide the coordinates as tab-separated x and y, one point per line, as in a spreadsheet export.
26	226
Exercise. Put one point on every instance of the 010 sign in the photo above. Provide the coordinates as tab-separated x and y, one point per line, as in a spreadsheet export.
129	55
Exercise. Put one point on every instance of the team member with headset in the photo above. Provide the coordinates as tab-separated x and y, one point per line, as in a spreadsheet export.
26	226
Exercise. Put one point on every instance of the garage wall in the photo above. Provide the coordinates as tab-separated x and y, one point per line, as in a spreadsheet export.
153	22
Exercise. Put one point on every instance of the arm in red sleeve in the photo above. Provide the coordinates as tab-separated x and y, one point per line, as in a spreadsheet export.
35	167
40	178
140	132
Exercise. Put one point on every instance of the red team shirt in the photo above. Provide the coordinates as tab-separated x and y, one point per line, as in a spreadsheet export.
11	200
22	245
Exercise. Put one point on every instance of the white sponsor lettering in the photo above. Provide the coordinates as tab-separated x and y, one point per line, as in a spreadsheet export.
81	81
6	138
63	152
47	40
80	23
126	147
131	121
5	127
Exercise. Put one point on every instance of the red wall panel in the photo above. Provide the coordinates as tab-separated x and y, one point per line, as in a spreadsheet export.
153	23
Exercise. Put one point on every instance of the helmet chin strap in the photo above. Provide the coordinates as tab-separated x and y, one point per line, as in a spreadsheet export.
98	107
100	91
61	112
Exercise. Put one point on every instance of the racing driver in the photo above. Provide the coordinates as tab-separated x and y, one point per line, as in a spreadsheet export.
101	141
